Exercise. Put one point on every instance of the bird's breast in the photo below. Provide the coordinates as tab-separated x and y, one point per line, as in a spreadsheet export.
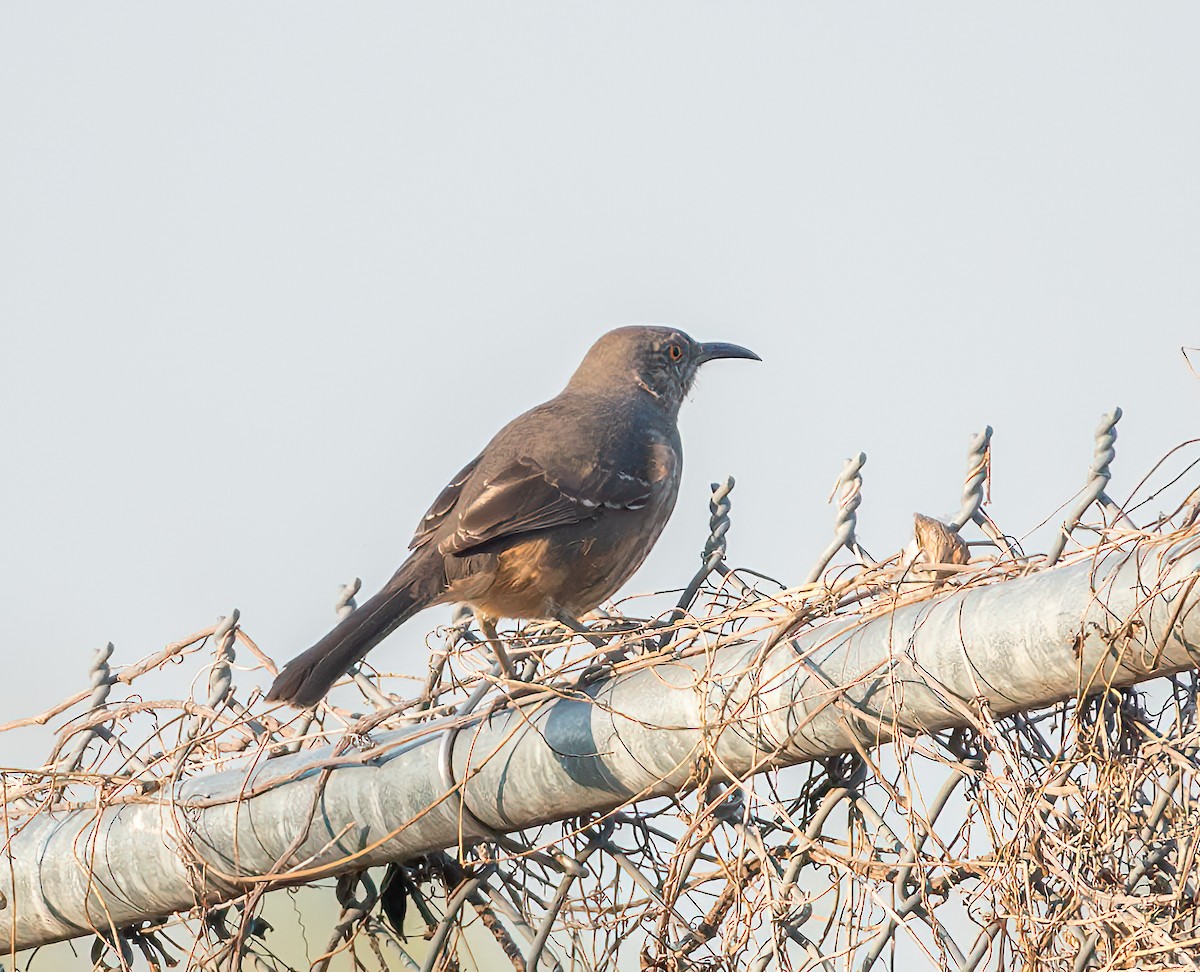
568	569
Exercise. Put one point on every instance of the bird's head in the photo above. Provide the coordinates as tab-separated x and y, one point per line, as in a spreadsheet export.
661	361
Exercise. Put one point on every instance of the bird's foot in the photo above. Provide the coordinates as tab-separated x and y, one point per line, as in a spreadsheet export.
496	643
579	628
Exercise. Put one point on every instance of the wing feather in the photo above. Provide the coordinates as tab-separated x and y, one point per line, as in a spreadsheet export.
443	506
525	497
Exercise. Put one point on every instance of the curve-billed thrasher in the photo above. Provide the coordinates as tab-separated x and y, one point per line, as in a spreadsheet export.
555	514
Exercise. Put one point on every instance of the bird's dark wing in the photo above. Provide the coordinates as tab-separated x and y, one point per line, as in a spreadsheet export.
526	496
443	506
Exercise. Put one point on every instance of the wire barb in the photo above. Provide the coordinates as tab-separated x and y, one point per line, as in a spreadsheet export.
1099	475
848	489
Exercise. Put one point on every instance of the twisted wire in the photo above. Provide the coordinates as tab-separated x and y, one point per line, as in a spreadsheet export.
1099	475
719	506
848	489
220	676
978	470
101	675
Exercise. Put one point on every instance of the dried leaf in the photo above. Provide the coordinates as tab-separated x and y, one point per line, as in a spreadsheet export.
938	542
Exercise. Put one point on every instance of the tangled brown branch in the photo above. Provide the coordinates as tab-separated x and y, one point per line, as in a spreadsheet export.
1063	838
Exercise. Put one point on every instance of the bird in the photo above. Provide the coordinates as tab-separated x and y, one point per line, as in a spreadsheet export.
554	515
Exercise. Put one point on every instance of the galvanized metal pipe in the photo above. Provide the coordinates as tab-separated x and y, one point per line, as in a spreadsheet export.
1011	646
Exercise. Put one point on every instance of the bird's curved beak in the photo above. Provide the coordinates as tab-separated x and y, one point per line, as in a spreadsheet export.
716	349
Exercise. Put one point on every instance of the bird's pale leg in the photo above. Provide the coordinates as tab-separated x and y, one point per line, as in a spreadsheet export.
580	628
488	627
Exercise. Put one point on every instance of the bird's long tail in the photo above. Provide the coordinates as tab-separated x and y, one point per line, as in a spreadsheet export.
307	677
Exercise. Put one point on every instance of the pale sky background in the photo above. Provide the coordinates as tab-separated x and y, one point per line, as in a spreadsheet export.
270	273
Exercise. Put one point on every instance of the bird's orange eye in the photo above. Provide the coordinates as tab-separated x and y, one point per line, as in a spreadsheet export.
675	351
